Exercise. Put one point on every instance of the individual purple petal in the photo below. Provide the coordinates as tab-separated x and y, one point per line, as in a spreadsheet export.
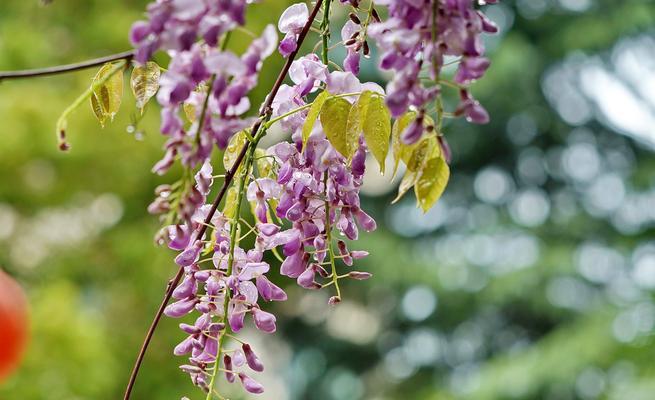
251	358
189	255
179	237
253	270
413	132
268	229
292	246
343	82
227	364
139	31
184	347
264	321
471	68
365	221
351	62
204	178
238	358
306	279
445	149
294	18
236	314
185	289
269	291
250	384
190	329
288	45
293	265
180	308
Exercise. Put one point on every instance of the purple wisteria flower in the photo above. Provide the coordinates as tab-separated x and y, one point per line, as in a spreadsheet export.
291	22
416	38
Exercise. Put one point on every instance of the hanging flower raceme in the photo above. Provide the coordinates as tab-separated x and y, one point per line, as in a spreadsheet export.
223	296
419	37
191	31
304	193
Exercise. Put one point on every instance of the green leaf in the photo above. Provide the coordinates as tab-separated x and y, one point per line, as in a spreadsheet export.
431	183
334	118
145	82
355	123
233	149
107	92
377	129
314	111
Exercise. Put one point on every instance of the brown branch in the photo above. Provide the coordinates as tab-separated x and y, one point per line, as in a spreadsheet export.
265	115
60	69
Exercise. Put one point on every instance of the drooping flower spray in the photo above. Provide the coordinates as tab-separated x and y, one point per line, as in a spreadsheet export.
304	193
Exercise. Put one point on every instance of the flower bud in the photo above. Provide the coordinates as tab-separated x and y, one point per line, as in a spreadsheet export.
375	15
250	384
358	254
360	276
334	300
190	329
251	358
163	190
180	308
227	363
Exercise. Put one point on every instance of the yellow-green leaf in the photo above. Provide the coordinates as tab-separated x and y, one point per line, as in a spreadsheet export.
264	163
422	151
401	151
377	129
432	182
230	207
409	180
189	112
355	123
233	149
314	111
145	82
107	88
97	110
334	118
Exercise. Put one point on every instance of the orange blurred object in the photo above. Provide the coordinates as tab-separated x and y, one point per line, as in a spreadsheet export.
13	324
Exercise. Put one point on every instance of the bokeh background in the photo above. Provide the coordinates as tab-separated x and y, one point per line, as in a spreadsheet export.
533	278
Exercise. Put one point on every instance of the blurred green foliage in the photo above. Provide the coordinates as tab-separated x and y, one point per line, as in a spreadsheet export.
74	231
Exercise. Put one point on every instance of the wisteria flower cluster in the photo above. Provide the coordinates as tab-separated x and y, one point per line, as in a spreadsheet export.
303	193
417	37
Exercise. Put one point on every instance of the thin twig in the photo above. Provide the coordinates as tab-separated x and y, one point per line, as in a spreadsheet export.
229	176
60	69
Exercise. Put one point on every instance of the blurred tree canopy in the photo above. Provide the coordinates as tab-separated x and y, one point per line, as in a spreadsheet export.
533	278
